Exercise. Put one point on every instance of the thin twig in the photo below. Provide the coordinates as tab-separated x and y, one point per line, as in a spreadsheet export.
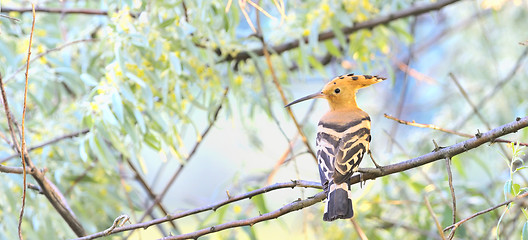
384	223
288	151
475	109
17	170
451	188
56	10
431	126
38	56
358	229
283	97
10	18
468	100
49	142
160	197
149	191
449	151
23	140
213	207
456	225
497	87
79	178
437	223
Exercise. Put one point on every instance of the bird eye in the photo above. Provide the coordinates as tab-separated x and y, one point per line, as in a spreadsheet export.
337	90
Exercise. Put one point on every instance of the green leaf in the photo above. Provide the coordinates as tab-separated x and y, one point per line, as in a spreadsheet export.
136	79
108	116
167	22
260	202
525	231
140	120
88	79
82	151
117	106
516	188
507	189
175	63
457	163
338	33
152	141
317	65
332	48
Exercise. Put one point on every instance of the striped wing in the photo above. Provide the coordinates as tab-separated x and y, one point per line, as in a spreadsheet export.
340	149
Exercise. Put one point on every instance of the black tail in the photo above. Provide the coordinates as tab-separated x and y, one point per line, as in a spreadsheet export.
339	203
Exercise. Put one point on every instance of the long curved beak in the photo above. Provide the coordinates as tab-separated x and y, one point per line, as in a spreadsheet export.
311	96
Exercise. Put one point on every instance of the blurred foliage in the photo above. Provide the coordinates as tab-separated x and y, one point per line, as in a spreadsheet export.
150	75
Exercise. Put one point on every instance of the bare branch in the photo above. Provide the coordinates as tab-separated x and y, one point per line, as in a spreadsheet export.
369	24
497	86
10	18
490	136
431	126
191	154
56	10
17	170
279	88
149	191
456	225
358	229
292	184
48	52
451	188
49	142
437	223
23	140
294	206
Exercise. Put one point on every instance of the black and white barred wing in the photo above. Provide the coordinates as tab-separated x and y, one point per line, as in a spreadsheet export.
326	149
353	146
343	147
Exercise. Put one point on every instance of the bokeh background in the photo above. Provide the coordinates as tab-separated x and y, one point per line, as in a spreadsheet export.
145	79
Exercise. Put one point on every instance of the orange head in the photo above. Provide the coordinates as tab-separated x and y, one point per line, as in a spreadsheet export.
341	91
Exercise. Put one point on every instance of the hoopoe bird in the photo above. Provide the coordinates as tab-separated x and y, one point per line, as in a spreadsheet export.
343	138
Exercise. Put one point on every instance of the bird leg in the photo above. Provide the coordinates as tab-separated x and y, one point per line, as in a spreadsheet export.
376	164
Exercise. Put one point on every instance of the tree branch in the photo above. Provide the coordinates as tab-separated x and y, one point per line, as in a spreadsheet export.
49	142
431	126
292	184
48	52
369	173
412	11
56	10
294	206
191	154
447	152
456	225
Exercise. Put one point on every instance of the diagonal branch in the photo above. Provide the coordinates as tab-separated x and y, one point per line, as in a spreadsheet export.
213	207
443	153
369	24
456	225
56	10
49	142
48	52
431	126
160	197
283	96
294	206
